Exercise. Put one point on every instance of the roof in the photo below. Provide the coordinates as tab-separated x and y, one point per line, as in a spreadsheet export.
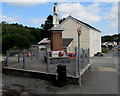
44	41
65	41
91	27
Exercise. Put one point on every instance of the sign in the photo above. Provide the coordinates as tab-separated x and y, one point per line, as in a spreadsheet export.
79	31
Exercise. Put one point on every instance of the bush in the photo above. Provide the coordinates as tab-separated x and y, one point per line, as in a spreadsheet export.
103	46
110	47
105	50
14	48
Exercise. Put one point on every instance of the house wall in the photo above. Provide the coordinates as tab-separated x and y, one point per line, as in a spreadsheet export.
70	31
95	42
90	38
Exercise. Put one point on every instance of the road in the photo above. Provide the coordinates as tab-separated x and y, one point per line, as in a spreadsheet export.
105	74
102	79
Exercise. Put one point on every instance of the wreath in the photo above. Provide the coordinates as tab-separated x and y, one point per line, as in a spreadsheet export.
61	54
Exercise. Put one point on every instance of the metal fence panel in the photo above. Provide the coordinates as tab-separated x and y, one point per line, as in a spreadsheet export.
37	61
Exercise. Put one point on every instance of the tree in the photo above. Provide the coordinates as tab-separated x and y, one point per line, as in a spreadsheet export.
37	33
4	22
112	38
6	42
61	20
20	41
11	40
16	35
48	25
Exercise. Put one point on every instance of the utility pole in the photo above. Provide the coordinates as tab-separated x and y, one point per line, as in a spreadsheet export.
79	63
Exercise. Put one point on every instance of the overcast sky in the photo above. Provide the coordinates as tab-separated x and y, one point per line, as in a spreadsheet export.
102	15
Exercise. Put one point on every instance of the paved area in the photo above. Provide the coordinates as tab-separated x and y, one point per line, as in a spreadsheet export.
103	79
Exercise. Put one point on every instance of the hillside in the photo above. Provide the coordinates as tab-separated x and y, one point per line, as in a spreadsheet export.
108	38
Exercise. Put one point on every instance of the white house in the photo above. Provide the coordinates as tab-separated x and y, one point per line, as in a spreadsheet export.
90	38
43	43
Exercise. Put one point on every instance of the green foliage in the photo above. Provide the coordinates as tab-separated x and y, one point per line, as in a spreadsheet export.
11	40
61	20
17	36
110	47
112	38
14	48
48	25
105	50
103	46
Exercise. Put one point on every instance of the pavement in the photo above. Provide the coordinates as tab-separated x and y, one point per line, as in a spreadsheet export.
102	79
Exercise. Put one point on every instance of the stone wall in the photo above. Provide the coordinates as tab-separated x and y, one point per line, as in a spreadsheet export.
36	74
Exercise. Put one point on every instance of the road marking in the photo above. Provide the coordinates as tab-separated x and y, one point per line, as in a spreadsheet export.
106	69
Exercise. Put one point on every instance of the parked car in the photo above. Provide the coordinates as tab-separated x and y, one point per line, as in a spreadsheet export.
2	59
98	54
71	55
28	54
118	48
42	49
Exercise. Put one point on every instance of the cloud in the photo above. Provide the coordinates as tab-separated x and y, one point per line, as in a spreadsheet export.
35	21
85	13
112	16
25	0
26	3
104	16
115	24
8	19
28	21
59	0
110	19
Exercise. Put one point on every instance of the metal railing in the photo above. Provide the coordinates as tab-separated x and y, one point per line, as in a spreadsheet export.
19	59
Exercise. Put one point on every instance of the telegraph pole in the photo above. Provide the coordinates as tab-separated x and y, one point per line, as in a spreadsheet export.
79	63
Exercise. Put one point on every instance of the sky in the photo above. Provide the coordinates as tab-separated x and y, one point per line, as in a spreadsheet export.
101	15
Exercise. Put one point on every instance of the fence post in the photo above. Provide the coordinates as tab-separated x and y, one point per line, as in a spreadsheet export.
48	62
76	63
83	57
46	50
18	56
7	58
37	52
88	55
24	60
79	61
31	52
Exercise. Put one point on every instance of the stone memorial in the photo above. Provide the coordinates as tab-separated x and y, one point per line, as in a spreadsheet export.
56	34
57	53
